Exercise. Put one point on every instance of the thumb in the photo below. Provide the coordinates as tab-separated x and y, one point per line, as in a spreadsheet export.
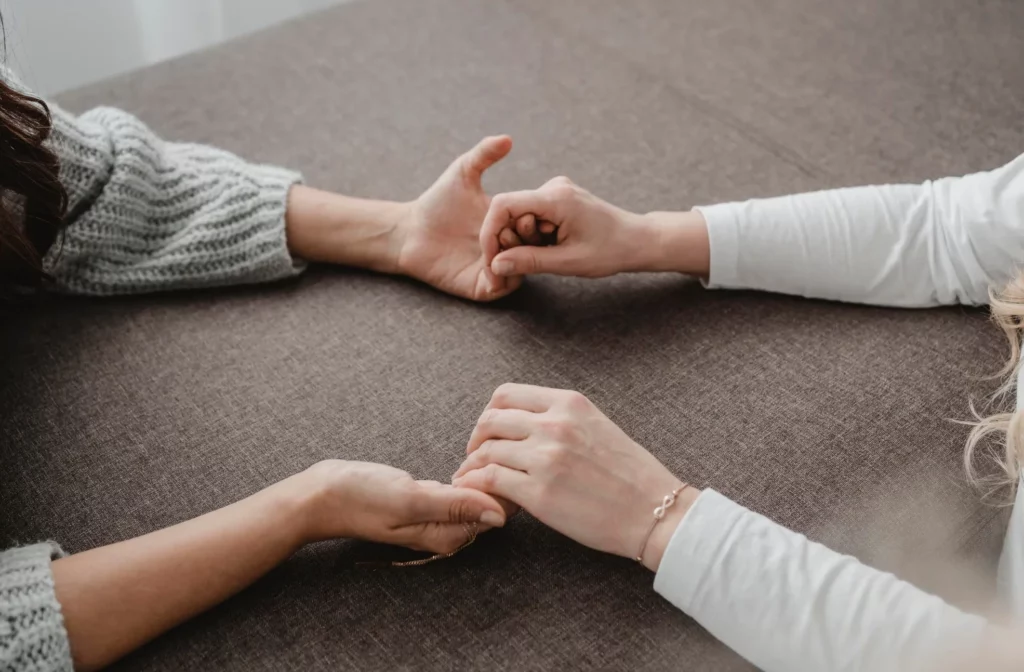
529	260
448	504
487	152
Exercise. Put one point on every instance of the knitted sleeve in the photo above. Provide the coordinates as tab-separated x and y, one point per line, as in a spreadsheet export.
147	215
32	635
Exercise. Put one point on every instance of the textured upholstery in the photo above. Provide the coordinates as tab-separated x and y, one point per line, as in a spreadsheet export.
122	416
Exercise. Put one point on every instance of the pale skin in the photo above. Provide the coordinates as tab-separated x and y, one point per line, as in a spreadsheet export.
118	597
434	239
595	239
556	455
552	451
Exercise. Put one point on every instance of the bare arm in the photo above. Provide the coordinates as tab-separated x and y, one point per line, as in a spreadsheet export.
117	597
331	228
114	598
433	238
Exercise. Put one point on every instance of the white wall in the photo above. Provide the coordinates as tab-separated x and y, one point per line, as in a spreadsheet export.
61	44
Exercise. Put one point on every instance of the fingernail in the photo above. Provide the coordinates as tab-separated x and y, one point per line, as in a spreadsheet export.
492	519
503	267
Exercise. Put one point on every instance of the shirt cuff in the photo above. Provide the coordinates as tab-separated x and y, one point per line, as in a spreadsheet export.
724	241
697	544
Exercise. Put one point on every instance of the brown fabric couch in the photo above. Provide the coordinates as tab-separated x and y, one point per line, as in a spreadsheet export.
122	416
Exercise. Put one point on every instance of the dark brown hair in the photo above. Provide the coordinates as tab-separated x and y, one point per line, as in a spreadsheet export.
32	199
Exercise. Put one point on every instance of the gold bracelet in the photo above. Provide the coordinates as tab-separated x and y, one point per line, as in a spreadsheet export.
470	529
659	513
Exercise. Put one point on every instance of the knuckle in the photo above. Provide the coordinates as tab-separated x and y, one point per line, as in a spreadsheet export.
471	463
563	192
489	476
502	394
560	430
487	418
406	504
557	454
530	263
576	401
458	511
500	205
563	433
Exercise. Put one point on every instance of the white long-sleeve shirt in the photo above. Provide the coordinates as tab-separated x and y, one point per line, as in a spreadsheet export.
785	603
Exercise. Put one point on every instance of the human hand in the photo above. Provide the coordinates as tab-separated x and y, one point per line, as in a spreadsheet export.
556	455
380	503
440	234
593	238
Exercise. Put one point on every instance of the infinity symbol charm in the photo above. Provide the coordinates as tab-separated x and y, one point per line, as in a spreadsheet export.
659	512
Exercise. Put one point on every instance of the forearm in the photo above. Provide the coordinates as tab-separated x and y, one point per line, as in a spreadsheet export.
117	597
909	245
675	242
881	245
327	227
847	244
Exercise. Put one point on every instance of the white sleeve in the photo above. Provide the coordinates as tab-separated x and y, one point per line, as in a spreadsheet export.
940	242
787	604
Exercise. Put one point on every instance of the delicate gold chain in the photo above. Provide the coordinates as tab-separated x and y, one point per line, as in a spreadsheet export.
470	529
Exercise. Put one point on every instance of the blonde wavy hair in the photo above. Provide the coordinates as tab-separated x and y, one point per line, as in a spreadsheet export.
1007	308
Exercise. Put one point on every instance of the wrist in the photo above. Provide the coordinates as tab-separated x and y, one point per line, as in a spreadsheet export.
299	501
403	220
662	533
675	242
327	227
638	234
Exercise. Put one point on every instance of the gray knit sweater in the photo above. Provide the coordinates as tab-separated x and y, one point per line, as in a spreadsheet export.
145	215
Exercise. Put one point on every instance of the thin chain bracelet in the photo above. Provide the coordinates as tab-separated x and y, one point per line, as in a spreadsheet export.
470	529
659	513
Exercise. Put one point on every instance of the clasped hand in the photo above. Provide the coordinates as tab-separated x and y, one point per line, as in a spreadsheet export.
551	452
555	454
459	239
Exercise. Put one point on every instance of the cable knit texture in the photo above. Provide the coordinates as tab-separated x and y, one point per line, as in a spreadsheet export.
144	215
147	215
32	636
